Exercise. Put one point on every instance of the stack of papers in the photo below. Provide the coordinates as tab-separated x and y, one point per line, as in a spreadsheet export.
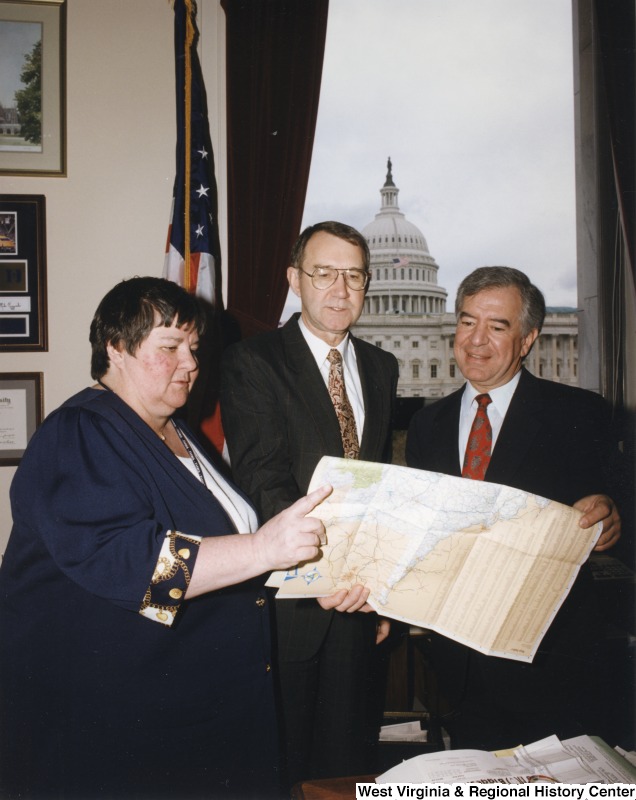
583	759
403	732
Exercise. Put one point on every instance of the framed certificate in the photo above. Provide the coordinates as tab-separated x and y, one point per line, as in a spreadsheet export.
21	411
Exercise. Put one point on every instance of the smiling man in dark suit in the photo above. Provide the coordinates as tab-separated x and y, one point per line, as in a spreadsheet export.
542	437
280	419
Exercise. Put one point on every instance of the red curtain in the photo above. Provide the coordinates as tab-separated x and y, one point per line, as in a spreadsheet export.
274	60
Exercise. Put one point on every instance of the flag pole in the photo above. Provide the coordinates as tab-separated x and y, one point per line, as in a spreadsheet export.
187	277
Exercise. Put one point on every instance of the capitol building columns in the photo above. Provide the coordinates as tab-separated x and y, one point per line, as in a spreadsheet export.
405	311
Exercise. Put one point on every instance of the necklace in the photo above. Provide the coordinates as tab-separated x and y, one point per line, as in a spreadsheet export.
190	452
183	439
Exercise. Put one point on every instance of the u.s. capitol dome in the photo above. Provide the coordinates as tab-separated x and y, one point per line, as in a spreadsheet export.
403	272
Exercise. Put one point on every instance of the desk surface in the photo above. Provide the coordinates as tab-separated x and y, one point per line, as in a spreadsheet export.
329	788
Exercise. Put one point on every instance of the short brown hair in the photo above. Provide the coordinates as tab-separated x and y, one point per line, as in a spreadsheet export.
129	312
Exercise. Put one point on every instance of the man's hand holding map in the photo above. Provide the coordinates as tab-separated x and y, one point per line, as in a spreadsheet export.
481	563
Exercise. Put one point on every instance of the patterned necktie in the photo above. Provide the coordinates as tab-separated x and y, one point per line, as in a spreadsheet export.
341	403
479	445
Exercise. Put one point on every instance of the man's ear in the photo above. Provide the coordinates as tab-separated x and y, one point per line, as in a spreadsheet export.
528	341
293	279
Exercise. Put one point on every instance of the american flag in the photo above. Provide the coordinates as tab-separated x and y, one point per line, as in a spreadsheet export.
192	248
192	251
400	262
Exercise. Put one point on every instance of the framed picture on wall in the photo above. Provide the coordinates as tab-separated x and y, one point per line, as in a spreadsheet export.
32	87
21	411
23	309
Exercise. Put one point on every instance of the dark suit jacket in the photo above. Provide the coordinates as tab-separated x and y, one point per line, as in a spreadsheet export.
555	442
279	422
95	495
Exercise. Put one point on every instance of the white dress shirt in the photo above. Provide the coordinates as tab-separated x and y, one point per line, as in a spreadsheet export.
501	397
242	515
320	351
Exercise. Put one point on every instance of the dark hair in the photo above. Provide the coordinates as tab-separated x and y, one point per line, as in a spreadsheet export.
129	312
338	229
532	300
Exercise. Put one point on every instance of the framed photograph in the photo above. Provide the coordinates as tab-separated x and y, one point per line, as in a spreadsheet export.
33	87
23	309
21	411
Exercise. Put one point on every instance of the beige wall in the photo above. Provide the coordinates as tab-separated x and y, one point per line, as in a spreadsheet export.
108	219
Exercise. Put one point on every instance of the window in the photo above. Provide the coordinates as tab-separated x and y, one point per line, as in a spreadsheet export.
433	370
415	371
379	344
415	343
536	148
451	370
397	344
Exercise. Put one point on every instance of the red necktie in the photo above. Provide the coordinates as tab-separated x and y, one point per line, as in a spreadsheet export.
341	403
479	445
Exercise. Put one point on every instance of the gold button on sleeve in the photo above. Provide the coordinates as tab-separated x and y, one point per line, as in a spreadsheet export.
260	602
176	594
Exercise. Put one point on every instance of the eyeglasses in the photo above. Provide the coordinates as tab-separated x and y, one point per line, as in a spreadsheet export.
324	277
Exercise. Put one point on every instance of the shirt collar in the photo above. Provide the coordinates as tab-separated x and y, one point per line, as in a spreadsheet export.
501	396
318	347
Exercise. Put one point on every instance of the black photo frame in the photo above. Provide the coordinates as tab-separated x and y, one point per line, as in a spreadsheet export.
23	308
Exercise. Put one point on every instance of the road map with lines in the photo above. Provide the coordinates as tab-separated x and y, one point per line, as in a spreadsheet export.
484	564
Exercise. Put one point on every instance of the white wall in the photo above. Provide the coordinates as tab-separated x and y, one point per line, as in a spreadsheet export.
108	219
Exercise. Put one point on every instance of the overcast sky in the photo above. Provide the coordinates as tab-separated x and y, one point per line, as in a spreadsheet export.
472	100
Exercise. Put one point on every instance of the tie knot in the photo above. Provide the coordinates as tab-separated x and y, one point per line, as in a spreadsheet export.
334	356
483	400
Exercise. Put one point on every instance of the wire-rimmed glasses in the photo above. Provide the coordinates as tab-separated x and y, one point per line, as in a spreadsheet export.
324	277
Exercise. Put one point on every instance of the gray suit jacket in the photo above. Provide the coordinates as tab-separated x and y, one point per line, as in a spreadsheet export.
279	421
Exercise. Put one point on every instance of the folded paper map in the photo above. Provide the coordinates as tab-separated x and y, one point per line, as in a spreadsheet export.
486	565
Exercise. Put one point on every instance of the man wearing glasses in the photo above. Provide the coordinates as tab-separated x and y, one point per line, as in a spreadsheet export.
289	397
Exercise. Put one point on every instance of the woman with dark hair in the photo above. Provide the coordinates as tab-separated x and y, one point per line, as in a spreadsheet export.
134	632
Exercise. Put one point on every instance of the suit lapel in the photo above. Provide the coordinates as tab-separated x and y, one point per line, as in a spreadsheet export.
520	429
313	393
375	392
445	435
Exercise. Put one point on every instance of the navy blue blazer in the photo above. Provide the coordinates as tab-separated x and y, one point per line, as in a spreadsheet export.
83	672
